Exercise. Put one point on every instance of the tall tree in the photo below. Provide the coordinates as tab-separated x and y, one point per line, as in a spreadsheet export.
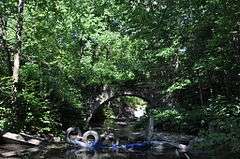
19	28
17	54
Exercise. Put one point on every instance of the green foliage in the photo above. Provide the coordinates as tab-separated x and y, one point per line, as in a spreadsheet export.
6	117
179	120
110	116
6	113
167	115
179	85
186	52
135	102
168	119
166	53
224	116
211	141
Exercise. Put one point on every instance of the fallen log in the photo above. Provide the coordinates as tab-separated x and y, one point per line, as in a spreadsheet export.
33	137
21	139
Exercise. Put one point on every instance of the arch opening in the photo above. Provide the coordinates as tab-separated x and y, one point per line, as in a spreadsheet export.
121	111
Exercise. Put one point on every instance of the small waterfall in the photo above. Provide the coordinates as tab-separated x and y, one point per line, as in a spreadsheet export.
150	127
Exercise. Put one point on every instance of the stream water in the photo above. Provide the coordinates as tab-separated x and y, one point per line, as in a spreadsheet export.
78	154
63	152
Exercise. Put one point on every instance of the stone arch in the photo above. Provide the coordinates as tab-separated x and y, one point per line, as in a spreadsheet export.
95	117
125	95
109	93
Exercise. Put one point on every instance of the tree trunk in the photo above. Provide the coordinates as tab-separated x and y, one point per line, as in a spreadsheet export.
16	65
16	57
201	94
150	127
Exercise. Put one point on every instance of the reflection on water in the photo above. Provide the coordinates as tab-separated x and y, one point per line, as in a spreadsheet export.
80	154
63	153
98	155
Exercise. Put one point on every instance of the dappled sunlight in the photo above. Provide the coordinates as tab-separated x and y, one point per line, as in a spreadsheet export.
134	68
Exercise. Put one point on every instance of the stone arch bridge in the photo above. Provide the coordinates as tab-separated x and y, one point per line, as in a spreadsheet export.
150	95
